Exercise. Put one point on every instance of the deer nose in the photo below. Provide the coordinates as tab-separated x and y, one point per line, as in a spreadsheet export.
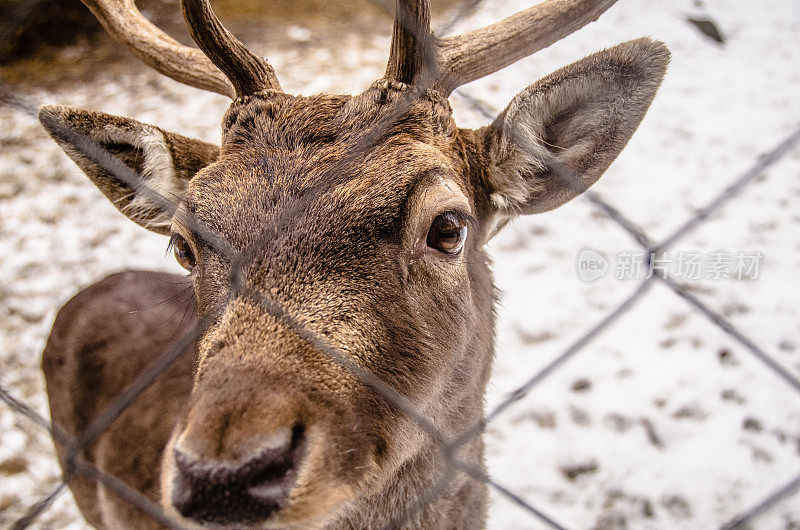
244	491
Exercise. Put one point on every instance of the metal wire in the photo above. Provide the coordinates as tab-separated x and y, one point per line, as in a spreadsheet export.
37	509
765	504
241	259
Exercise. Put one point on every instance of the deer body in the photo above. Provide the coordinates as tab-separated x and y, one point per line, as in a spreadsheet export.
344	300
101	340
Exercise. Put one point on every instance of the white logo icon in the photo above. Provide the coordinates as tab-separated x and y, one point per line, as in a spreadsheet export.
591	265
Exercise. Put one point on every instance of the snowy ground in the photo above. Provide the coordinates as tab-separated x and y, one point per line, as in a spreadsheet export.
663	422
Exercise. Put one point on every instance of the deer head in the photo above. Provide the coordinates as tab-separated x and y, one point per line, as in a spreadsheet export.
354	225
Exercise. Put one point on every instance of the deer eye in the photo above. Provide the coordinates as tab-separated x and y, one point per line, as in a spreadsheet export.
183	252
447	233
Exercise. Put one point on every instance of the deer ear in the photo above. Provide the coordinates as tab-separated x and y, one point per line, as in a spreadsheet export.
163	161
560	134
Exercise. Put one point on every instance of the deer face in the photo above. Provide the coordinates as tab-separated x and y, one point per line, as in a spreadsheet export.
378	253
335	244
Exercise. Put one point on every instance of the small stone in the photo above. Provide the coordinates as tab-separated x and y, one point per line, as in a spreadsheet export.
581	385
573	471
708	28
689	412
652	435
13	466
726	357
730	394
752	424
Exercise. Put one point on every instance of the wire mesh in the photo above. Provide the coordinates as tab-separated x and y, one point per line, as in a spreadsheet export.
76	465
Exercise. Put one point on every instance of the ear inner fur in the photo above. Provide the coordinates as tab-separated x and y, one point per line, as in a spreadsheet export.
165	161
559	135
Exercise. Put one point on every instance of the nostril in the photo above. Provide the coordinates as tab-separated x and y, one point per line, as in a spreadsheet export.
277	469
245	490
181	496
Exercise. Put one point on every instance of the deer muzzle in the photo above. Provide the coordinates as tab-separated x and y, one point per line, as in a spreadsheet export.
242	491
264	445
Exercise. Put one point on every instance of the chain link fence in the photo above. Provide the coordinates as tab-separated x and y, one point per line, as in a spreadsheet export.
76	465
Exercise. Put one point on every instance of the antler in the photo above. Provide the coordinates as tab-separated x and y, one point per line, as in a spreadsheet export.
484	51
124	22
417	56
448	63
247	71
244	72
412	51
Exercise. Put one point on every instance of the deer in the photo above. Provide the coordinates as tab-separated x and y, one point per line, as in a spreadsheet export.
339	292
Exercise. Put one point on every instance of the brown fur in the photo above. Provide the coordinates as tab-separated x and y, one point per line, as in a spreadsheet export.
330	198
101	340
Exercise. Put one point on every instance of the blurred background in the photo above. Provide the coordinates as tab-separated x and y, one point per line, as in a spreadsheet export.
663	421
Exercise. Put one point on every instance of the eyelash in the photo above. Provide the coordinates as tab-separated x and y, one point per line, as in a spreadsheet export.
183	252
171	244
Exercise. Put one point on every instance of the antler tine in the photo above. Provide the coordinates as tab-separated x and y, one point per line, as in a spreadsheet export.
248	72
478	53
412	51
125	23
